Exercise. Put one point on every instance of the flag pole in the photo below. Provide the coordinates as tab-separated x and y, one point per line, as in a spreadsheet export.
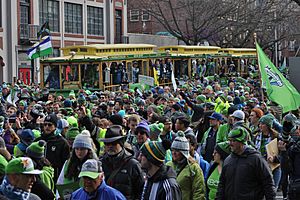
259	74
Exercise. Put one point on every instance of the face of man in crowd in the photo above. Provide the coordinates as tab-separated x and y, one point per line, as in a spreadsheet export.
22	181
213	123
167	126
90	185
113	148
49	127
141	137
178	125
145	164
236	146
132	125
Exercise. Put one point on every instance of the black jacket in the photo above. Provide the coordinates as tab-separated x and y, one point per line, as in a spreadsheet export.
167	188
246	177
92	128
129	179
290	159
57	151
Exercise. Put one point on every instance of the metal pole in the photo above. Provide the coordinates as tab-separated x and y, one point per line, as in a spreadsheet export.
32	71
276	43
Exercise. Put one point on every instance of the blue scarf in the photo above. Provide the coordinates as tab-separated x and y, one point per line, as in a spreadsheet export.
11	192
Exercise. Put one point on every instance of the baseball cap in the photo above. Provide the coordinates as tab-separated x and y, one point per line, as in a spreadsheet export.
238	114
21	165
216	116
91	168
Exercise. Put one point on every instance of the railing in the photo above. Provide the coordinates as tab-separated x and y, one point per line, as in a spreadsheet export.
28	32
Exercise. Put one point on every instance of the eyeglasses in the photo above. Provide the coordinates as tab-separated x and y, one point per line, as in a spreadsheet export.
48	124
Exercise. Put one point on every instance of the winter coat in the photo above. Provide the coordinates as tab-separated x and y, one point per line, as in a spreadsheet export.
47	177
191	181
246	177
162	185
129	180
57	151
222	134
104	192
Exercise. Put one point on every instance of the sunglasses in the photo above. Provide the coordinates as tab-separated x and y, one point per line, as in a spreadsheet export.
111	143
141	133
48	124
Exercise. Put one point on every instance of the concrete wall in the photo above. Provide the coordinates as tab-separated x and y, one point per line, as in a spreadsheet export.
158	40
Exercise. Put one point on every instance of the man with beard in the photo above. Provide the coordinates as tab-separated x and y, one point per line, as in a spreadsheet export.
122	171
58	150
161	179
19	179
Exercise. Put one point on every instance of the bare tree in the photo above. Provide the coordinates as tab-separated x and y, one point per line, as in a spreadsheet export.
225	23
297	1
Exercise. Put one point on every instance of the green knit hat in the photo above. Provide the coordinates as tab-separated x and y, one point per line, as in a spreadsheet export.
72	122
156	129
36	133
154	152
267	120
36	149
239	134
223	149
201	98
72	133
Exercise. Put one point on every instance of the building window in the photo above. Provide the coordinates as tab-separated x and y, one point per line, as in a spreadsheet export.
24	19
49	11
94	20
73	18
145	16
56	52
134	15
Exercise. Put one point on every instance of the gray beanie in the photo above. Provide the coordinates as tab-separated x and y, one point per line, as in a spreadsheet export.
82	141
181	144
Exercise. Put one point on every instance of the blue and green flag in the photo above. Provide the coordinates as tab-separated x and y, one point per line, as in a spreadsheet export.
279	89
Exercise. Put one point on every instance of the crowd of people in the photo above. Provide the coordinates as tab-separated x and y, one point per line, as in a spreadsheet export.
204	140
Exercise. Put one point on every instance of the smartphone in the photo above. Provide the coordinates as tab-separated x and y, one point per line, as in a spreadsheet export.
12	120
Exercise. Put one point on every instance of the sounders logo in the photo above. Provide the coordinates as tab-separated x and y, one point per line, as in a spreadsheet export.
273	77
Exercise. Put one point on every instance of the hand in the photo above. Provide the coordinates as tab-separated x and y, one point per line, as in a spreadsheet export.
18	123
40	120
270	158
281	146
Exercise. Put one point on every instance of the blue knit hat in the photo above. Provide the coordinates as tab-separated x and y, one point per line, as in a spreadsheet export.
82	141
27	136
143	126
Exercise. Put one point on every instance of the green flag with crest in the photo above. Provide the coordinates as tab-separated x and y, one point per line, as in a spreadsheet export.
279	89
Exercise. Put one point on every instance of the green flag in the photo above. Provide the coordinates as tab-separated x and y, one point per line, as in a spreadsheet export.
279	89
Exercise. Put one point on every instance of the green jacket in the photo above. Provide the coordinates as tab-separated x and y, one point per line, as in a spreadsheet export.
47	177
191	181
222	134
3	163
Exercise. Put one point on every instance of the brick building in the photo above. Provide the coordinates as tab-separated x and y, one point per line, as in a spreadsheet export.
72	22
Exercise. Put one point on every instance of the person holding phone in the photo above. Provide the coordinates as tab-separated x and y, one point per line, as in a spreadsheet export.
10	137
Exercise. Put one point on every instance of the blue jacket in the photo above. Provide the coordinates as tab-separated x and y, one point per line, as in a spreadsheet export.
104	192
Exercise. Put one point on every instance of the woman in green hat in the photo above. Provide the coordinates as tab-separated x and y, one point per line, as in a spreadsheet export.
262	139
